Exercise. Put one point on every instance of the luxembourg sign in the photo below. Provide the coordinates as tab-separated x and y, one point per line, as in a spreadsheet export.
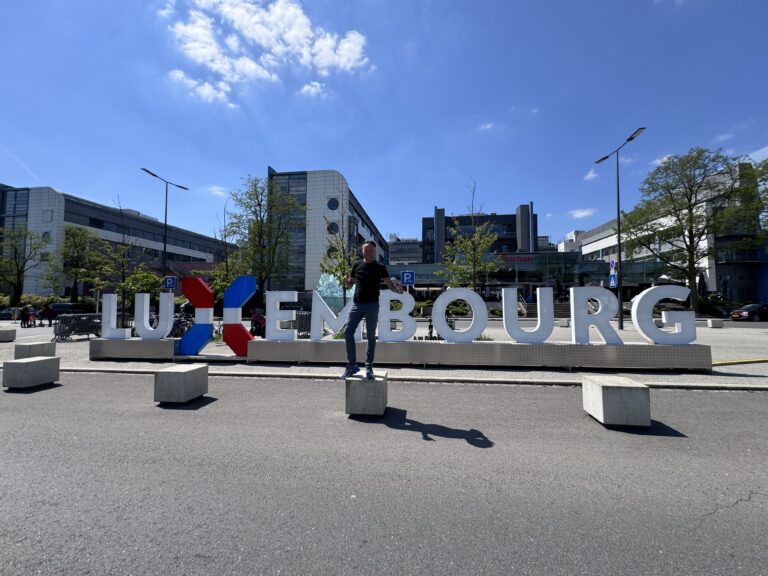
243	288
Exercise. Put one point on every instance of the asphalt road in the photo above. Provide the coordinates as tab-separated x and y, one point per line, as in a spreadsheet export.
271	477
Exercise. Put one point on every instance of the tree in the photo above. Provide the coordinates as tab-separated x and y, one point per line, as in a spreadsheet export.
686	201
263	221
83	258
123	261
142	282
468	257
19	253
341	254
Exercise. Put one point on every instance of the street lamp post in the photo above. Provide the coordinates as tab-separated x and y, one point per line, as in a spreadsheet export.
619	274
165	222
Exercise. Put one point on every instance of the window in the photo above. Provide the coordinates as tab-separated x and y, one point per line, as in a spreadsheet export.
46	237
333	203
333	228
47	215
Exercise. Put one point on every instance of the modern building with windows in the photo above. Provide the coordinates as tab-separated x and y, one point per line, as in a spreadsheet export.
47	212
516	232
331	208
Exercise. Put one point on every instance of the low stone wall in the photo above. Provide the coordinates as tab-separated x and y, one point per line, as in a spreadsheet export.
493	354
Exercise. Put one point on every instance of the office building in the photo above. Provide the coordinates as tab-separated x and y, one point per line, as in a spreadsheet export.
46	211
331	208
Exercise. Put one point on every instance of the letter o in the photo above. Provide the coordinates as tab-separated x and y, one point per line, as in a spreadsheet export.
479	315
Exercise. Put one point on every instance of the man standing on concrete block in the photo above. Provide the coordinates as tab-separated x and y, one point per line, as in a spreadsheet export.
366	275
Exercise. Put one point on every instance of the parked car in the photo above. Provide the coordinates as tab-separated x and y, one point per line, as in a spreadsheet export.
70	308
754	312
9	313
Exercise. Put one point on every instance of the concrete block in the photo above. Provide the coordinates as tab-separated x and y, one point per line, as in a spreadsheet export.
714	323
28	350
133	349
30	372
615	400
181	383
564	322
367	397
7	334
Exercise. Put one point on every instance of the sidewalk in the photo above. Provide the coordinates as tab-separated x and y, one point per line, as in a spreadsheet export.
739	354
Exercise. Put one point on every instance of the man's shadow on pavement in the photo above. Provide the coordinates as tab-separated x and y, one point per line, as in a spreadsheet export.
395	418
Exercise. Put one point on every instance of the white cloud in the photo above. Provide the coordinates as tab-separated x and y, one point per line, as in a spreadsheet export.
535	111
581	212
549	214
207	92
313	89
261	38
627	160
168	10
217	190
759	155
591	175
486	126
723	137
660	160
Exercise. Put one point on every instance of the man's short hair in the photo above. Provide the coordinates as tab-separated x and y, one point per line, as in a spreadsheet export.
371	242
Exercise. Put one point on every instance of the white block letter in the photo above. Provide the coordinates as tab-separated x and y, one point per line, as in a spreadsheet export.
164	316
479	315
546	316
322	314
386	315
601	319
275	316
109	329
642	316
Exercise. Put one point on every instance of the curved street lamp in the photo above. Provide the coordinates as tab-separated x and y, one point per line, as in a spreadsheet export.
634	135
165	224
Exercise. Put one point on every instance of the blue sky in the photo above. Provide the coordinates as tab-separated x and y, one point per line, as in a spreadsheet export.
410	99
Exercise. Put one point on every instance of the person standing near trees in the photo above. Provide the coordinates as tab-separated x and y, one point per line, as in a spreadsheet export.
366	275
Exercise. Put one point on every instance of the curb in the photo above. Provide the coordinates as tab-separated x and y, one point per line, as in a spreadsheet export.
433	380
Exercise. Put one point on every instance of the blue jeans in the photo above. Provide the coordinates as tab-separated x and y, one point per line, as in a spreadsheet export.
369	311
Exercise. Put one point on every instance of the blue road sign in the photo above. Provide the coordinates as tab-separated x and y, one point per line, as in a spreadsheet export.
170	282
408	278
612	281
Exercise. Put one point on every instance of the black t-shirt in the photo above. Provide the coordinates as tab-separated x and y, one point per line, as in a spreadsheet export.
367	278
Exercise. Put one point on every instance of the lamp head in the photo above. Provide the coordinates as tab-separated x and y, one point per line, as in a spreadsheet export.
635	134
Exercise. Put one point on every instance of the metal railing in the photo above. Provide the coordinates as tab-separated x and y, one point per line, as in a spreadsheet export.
68	325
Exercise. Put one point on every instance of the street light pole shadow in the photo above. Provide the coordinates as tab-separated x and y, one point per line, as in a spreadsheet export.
395	418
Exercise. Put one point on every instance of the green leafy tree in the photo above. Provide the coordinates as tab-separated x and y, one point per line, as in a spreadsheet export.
20	250
143	282
468	257
83	258
686	201
53	277
262	223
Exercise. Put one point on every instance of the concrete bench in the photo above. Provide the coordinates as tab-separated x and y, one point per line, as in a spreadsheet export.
28	350
179	384
30	372
615	400
367	397
563	322
7	334
714	323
